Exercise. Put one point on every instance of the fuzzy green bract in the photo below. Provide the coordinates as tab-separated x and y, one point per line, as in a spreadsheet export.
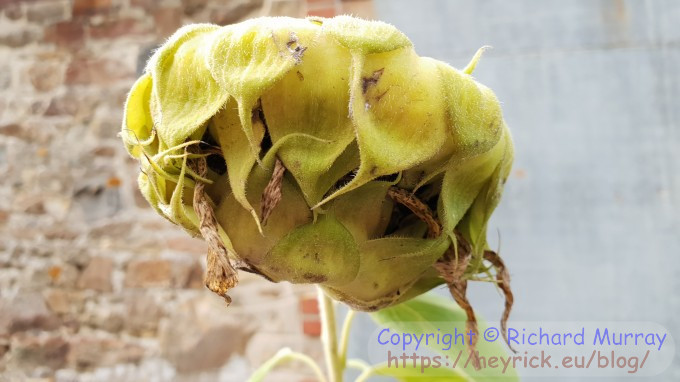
350	110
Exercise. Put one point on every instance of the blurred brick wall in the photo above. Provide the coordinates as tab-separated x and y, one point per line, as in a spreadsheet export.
94	286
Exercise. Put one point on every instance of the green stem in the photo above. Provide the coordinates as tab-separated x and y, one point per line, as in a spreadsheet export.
344	337
329	337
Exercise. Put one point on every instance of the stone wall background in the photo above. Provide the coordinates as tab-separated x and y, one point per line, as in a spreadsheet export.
94	286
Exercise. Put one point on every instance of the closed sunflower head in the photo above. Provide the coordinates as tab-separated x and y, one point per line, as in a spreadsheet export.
322	151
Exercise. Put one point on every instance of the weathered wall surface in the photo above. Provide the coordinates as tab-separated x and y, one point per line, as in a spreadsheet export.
94	286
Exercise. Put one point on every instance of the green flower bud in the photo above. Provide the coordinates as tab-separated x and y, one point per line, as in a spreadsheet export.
321	151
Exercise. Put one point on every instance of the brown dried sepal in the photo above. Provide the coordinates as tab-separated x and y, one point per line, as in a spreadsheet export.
221	275
503	280
271	196
420	209
452	267
219	278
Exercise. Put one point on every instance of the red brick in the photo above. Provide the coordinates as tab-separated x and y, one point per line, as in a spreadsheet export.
309	305
118	28
85	70
90	7
312	328
66	34
322	12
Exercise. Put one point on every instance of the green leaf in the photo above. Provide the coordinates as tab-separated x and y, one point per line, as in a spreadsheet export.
375	208
367	37
464	180
177	211
411	374
474	223
148	189
137	131
398	113
320	252
474	114
473	118
225	127
292	211
428	313
247	58
389	267
316	95
187	94
427	281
